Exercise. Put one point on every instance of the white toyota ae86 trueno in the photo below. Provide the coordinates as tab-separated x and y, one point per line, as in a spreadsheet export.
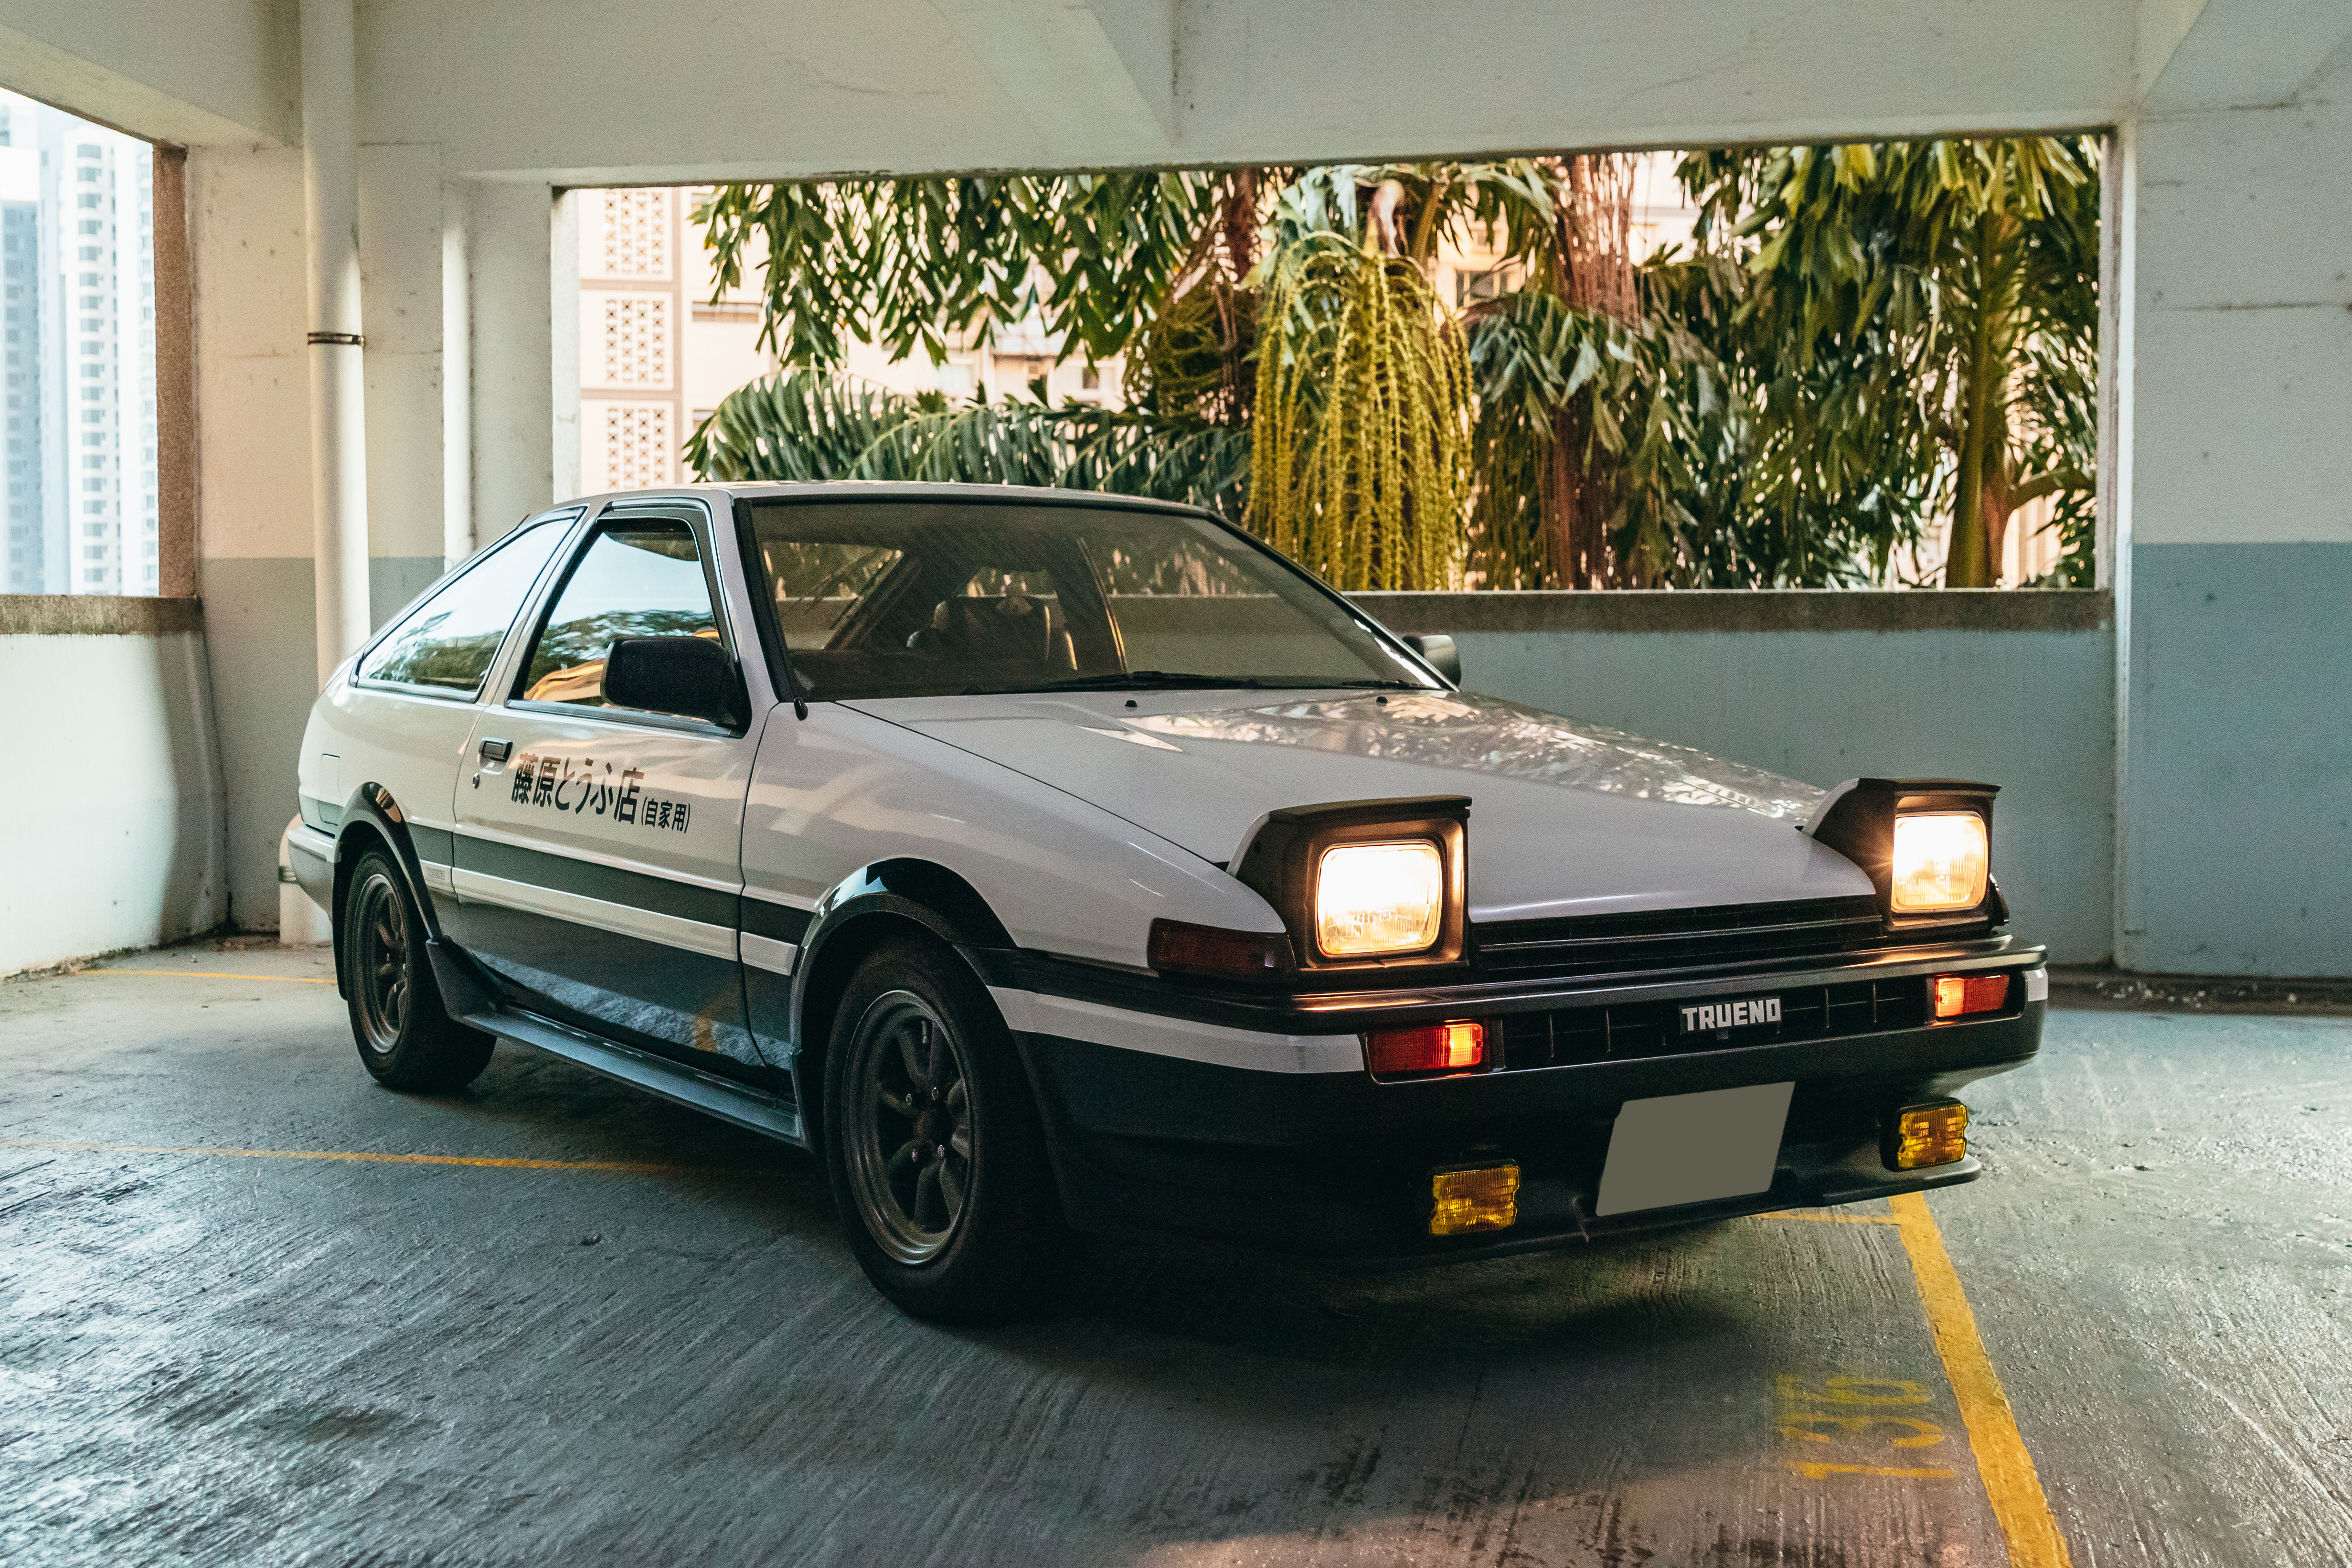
1051	861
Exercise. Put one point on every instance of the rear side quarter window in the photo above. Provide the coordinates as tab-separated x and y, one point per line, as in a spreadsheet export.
447	643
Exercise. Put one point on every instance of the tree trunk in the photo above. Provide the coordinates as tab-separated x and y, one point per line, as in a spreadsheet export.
1968	561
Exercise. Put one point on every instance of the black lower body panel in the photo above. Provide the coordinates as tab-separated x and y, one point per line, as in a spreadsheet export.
644	994
1338	1165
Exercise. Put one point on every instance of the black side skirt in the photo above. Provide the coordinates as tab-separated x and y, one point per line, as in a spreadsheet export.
472	1001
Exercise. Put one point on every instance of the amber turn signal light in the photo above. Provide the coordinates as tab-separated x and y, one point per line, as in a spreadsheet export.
1960	993
1487	1198
1426	1047
1936	1133
1179	948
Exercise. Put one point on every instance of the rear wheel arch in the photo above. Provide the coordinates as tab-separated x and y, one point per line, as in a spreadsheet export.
373	820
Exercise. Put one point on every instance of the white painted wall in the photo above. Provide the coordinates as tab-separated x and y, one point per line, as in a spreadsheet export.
113	798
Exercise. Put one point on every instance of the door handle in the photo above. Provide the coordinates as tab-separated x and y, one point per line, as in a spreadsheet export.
497	751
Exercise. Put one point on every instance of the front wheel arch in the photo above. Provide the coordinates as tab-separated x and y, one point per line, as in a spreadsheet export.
830	961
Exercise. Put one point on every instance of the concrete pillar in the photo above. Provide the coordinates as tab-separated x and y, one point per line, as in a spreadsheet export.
253	455
456	379
338	370
2236	549
400	213
510	258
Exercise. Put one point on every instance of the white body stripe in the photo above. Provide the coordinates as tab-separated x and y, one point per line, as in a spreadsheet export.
1032	1014
438	879
2037	986
670	931
766	952
789	900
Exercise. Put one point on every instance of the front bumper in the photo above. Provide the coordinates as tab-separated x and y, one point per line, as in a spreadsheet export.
1335	1164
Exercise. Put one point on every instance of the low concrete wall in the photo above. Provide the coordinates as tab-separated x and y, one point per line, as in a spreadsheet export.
115	802
111	800
2014	688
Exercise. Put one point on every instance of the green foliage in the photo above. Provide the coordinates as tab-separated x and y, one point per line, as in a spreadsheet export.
1359	434
818	425
1918	334
902	263
1871	339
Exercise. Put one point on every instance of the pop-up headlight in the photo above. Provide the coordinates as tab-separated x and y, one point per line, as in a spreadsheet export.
1941	860
1365	885
1926	845
1376	900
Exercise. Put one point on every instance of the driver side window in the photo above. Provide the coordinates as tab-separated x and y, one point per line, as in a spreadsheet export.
637	578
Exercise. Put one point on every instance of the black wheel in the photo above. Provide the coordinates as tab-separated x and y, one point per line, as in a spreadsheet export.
932	1144
406	1039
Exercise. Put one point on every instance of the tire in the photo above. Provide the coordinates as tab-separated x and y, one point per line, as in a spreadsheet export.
406	1039
932	1142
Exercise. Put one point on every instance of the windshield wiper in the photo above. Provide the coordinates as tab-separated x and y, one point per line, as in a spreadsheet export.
1144	680
1163	679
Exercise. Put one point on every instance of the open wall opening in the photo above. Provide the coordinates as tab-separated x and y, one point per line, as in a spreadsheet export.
84	505
1711	368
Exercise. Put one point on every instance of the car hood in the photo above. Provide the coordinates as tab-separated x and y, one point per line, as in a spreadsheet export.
1566	817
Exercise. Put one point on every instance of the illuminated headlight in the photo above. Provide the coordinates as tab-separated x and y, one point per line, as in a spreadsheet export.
1941	862
1373	899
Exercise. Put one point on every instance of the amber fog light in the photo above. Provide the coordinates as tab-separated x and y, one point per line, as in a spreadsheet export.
1936	1133
1487	1198
1956	995
1427	1048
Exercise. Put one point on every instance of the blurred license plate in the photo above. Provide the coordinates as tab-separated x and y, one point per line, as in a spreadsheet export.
1693	1148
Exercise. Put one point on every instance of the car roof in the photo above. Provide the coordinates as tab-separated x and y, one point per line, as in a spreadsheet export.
899	490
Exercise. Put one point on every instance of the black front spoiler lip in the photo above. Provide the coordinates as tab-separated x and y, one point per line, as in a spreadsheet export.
1790	1191
1334	1013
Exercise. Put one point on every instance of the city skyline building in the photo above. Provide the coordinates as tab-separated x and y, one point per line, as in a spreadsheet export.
77	354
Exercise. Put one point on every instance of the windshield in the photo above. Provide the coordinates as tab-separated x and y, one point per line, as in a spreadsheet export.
933	598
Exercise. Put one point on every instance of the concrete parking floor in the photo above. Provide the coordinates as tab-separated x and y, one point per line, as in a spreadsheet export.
255	1309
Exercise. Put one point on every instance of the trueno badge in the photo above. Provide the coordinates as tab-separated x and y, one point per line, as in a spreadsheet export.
1705	1017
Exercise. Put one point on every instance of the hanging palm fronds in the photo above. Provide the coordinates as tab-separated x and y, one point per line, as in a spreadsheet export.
818	425
1359	441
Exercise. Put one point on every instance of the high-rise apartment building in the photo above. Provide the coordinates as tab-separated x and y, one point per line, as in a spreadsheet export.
77	354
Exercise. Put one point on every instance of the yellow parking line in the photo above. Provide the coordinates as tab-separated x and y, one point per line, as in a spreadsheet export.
199	974
2010	1482
1832	1218
634	1167
1814	1472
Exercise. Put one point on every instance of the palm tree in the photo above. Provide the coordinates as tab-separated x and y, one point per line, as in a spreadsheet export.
1919	329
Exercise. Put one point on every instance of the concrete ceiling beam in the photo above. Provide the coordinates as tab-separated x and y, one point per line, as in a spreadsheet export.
1100	74
2198	55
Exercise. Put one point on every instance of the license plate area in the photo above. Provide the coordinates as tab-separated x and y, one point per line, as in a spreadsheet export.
1693	1148
1728	1017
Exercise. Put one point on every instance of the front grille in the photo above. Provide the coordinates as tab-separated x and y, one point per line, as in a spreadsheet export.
1637	1029
1663	939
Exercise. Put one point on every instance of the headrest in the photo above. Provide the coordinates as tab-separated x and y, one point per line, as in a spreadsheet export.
1013	626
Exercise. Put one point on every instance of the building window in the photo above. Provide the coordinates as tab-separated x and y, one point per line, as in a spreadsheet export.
633	338
636	444
636	234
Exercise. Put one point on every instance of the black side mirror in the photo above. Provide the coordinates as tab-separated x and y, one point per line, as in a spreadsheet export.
693	677
1438	649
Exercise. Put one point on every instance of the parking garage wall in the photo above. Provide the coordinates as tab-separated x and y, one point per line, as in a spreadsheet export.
112	800
2013	689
